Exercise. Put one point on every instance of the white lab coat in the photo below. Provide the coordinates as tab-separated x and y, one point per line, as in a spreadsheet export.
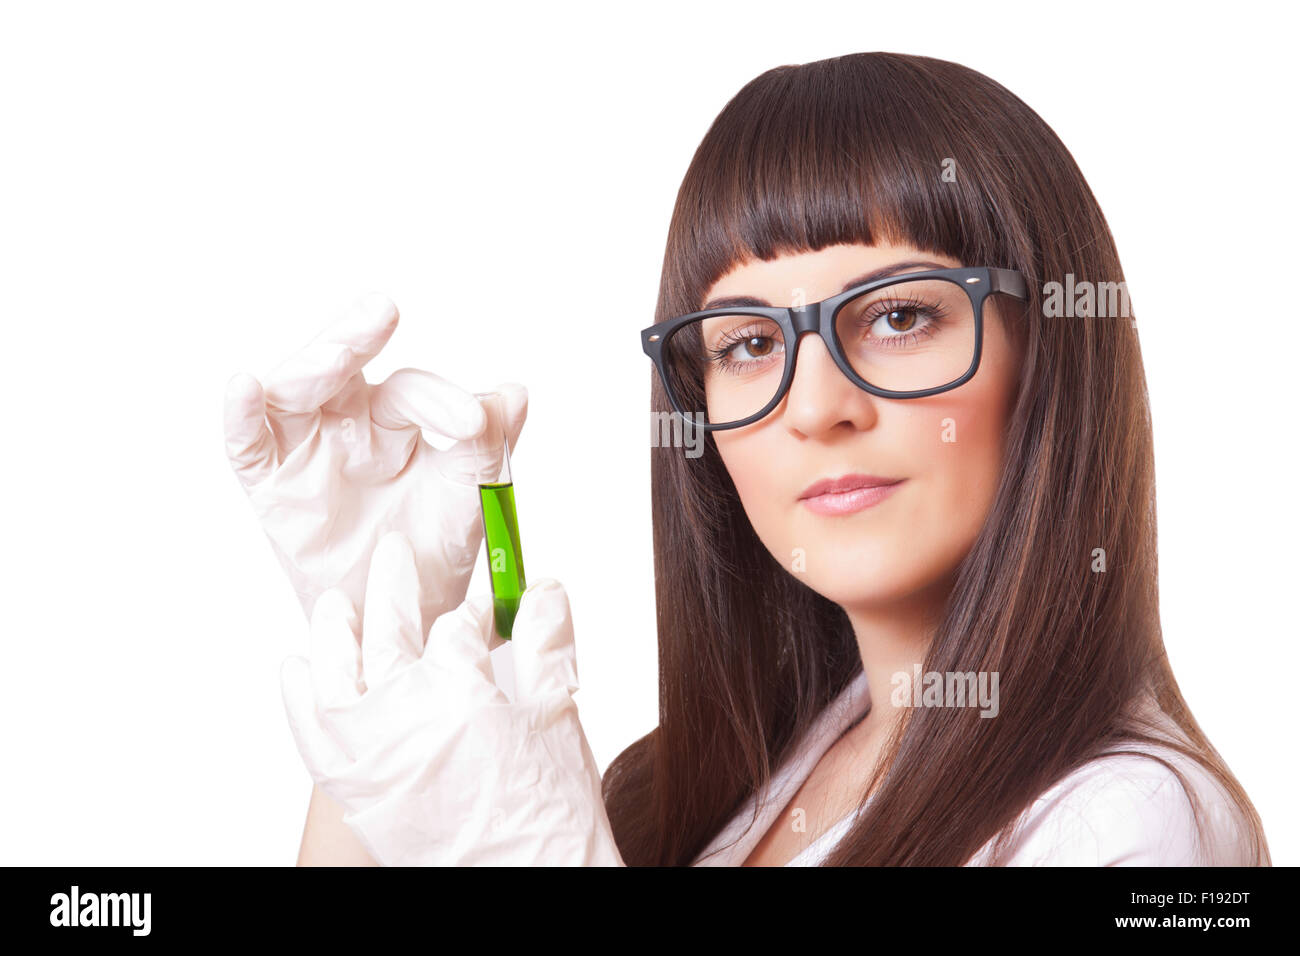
1117	810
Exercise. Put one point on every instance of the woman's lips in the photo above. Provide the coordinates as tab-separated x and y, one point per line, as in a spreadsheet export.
851	501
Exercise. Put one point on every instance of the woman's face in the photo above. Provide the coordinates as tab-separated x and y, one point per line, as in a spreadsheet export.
946	449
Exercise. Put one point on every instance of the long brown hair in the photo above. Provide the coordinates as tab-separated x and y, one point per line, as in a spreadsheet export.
851	150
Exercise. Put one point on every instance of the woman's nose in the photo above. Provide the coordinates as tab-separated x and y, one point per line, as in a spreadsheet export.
820	395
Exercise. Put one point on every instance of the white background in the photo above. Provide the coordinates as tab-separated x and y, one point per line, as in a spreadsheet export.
190	190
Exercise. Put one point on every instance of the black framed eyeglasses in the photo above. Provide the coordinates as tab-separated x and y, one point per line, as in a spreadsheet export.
903	336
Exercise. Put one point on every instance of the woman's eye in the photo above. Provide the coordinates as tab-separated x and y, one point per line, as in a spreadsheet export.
759	346
747	350
899	320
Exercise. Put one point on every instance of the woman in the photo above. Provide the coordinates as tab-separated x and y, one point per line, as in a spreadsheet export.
983	560
950	481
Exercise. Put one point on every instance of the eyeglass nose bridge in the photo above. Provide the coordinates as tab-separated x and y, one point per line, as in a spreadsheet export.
808	318
804	319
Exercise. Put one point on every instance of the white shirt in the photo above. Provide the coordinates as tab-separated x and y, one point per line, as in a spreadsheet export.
1116	810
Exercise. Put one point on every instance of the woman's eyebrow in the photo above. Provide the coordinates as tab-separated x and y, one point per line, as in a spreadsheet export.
733	301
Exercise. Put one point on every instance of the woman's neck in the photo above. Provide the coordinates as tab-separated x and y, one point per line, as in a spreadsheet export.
892	640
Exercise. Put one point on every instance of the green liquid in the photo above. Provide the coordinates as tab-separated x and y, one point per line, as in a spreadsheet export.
505	558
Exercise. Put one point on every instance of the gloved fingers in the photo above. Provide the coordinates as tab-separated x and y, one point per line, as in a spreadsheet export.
453	523
322	755
391	636
308	379
412	396
336	673
250	446
460	643
461	461
545	659
297	388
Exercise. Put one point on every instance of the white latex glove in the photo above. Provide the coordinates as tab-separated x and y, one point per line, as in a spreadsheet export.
331	463
431	762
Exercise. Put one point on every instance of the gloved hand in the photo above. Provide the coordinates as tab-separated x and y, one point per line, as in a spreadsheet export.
431	762
331	463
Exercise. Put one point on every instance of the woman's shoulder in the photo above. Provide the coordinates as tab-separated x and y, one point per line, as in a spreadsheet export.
1129	809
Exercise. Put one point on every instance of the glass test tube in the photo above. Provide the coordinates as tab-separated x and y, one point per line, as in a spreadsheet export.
496	493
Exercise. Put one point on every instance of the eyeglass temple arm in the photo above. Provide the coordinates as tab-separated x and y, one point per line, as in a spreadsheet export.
1009	281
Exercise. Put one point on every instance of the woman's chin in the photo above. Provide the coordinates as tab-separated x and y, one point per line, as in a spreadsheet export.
859	589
